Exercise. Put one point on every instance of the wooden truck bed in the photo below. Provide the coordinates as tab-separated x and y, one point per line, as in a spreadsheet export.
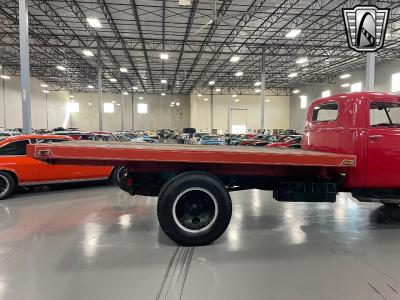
116	153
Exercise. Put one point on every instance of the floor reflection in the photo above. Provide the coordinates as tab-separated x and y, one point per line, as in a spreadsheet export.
98	242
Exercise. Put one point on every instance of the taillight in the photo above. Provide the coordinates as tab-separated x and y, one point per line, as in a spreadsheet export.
43	153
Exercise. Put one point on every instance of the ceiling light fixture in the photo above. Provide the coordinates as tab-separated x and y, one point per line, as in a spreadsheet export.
125	93
293	33
217	89
258	83
46	91
61	68
345	76
163	94
257	91
44	85
239	73
234	96
90	86
234	59
163	81
199	95
296	91
135	88
123	70
205	99
211	82
71	96
113	80
302	60
94	22
5	77
88	53
140	98
292	75
344	85
164	56
237	100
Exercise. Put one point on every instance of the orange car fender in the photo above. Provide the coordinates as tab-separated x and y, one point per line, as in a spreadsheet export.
12	172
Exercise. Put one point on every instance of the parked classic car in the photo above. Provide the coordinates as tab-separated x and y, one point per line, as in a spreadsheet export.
212	140
16	169
7	133
289	141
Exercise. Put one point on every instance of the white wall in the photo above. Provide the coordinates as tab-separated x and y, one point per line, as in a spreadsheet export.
276	115
11	105
160	114
383	81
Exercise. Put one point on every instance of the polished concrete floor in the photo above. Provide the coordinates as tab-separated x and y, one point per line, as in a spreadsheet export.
98	243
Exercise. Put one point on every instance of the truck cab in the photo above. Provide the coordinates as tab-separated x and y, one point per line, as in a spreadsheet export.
365	124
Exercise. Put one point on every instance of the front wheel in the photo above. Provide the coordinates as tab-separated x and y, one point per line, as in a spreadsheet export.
7	185
194	208
117	174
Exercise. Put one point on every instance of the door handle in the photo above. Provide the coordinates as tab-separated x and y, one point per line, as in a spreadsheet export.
376	137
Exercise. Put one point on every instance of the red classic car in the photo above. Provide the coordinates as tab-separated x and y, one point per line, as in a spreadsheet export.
16	169
289	141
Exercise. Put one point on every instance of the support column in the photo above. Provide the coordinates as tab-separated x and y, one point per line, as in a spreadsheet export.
133	113
212	110
370	72
370	68
122	111
99	86
262	98
4	101
24	61
229	113
47	112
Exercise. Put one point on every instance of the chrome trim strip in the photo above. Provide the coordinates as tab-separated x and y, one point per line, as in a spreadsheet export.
62	181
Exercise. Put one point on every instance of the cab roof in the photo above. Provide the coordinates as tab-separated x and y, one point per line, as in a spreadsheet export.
355	96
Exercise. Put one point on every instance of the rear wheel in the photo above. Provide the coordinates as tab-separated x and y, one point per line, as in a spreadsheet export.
7	185
194	208
117	174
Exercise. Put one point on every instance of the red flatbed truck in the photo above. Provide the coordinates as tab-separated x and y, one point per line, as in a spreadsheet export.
351	143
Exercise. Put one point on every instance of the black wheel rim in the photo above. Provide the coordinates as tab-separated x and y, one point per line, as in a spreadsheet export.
195	210
4	185
121	172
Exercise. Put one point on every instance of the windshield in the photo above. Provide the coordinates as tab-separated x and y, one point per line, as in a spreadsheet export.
384	114
85	137
207	138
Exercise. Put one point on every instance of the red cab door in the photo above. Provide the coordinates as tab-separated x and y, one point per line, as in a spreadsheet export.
383	169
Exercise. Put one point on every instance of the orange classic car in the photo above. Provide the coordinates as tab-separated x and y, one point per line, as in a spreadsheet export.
16	169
